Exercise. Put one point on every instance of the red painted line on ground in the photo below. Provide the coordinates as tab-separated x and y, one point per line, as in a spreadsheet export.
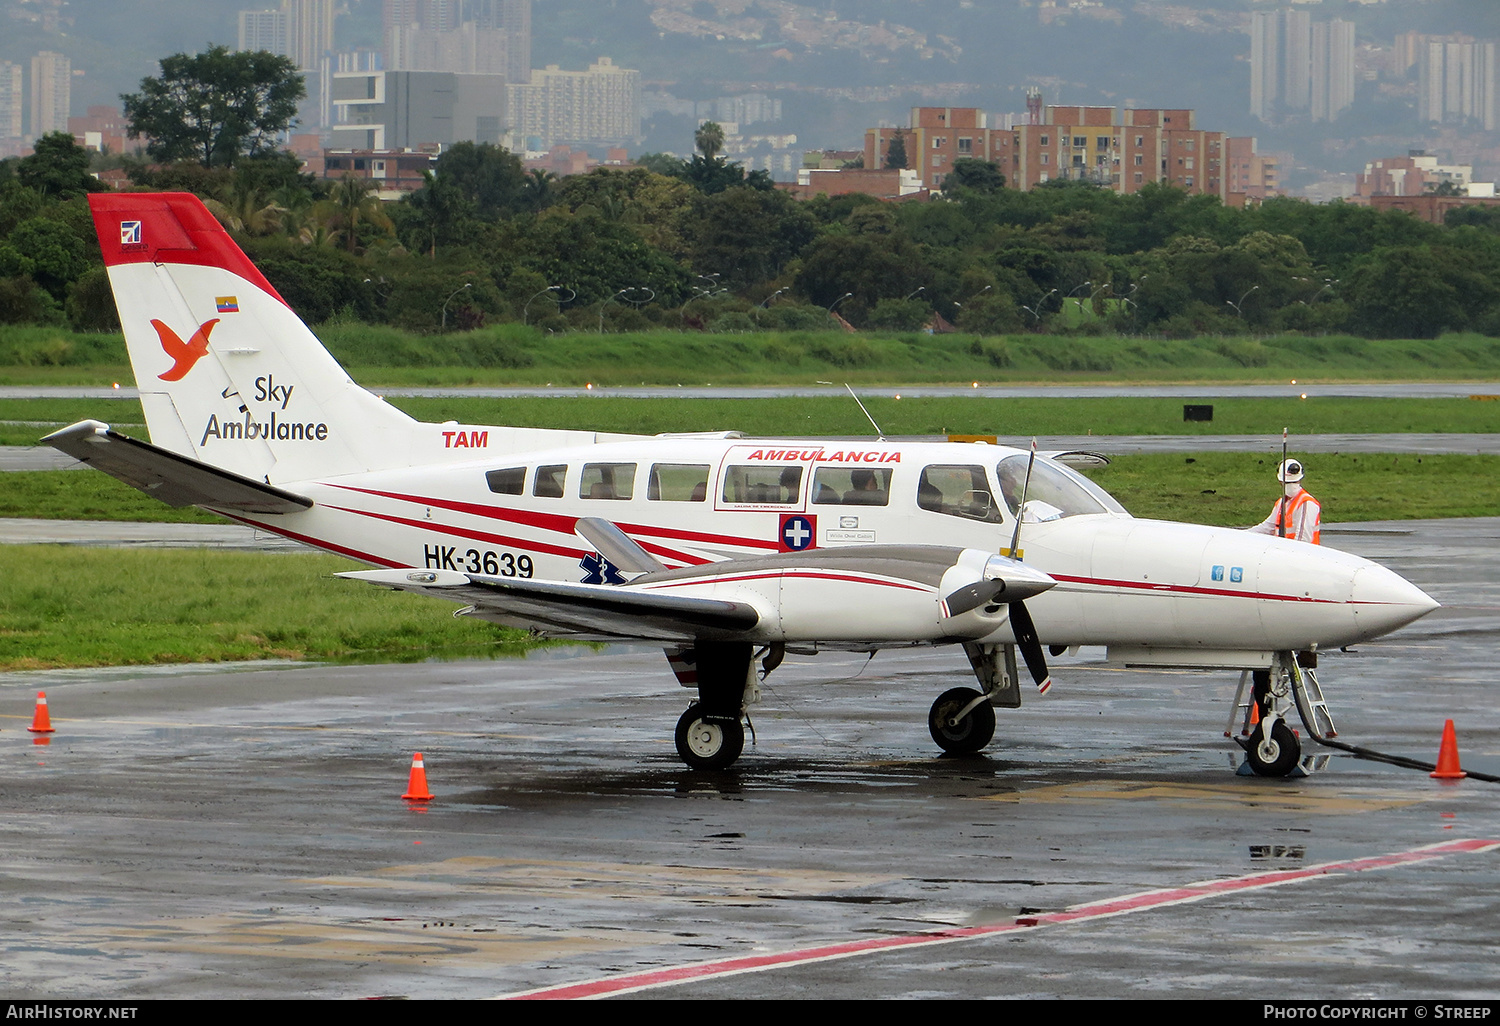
1141	902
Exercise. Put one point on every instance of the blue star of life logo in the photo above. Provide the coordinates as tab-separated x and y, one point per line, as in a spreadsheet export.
599	570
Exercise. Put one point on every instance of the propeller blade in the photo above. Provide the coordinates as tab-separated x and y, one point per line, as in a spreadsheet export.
1030	646
972	596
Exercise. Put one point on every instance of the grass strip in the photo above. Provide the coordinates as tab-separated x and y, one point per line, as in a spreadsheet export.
512	354
25	421
65	606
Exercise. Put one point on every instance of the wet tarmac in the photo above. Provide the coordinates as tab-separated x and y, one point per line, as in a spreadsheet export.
237	831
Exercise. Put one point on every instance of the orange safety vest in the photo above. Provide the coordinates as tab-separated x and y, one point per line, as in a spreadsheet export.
1288	516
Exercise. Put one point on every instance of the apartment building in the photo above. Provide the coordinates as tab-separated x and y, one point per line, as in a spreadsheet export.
51	93
601	104
936	138
1115	150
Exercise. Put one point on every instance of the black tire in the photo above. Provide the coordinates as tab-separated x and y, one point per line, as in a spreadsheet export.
1276	756
709	743
969	734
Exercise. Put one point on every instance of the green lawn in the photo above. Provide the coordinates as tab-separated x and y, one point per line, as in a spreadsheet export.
25	421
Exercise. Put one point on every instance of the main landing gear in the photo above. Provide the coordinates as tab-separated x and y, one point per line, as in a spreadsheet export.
962	721
711	733
1272	747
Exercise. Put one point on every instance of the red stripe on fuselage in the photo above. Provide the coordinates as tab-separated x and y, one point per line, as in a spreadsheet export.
792	572
563	523
305	539
1193	589
484	536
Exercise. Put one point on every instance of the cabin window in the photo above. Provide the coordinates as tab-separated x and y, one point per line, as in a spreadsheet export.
678	482
549	482
851	486
510	481
762	485
1053	493
957	491
607	481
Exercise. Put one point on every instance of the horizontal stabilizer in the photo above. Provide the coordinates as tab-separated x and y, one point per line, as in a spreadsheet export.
175	480
576	609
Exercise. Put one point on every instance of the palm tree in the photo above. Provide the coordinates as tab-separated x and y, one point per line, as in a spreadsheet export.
352	201
709	139
538	189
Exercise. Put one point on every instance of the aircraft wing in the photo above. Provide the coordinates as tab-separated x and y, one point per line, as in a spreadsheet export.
592	611
863	595
162	474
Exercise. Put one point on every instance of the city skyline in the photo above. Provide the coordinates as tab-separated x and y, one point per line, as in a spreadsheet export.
831	77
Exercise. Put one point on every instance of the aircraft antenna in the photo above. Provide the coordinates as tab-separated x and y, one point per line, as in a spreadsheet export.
1015	538
1281	520
866	413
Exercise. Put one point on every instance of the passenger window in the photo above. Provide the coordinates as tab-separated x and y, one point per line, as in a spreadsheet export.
957	491
607	481
549	482
678	482
511	481
772	486
852	486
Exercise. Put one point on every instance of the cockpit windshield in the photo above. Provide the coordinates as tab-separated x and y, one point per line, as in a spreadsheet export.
1055	491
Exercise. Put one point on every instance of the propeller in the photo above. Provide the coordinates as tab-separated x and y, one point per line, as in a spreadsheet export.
1021	623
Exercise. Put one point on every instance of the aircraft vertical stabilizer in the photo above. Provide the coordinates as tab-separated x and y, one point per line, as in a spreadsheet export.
228	373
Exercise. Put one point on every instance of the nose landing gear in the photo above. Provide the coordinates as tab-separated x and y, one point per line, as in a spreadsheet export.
1272	747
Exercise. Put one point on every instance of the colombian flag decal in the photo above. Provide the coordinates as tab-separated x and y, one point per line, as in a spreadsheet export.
227	304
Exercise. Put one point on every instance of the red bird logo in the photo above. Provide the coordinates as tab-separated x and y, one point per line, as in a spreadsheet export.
185	354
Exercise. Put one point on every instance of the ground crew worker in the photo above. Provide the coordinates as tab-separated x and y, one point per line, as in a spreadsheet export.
1296	514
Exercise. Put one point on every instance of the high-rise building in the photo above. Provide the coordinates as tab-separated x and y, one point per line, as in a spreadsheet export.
263	30
395	110
51	93
309	28
1457	81
464	36
1332	69
12	101
602	104
1300	67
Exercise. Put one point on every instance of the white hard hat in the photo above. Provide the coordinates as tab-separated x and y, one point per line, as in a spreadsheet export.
1290	471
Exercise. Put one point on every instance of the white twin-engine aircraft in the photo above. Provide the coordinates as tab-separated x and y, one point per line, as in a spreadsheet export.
726	551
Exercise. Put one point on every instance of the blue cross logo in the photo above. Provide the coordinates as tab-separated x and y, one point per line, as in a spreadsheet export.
797	533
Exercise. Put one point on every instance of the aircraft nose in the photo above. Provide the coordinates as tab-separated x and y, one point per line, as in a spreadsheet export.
1384	600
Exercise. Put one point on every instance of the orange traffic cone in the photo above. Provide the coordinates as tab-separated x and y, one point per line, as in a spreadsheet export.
1447	764
41	723
416	785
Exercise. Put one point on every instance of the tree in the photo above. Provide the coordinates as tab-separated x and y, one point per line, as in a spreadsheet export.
216	105
490	177
58	168
978	175
895	154
709	139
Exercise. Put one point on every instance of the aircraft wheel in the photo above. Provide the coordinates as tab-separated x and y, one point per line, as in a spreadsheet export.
1273	756
709	744
969	734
